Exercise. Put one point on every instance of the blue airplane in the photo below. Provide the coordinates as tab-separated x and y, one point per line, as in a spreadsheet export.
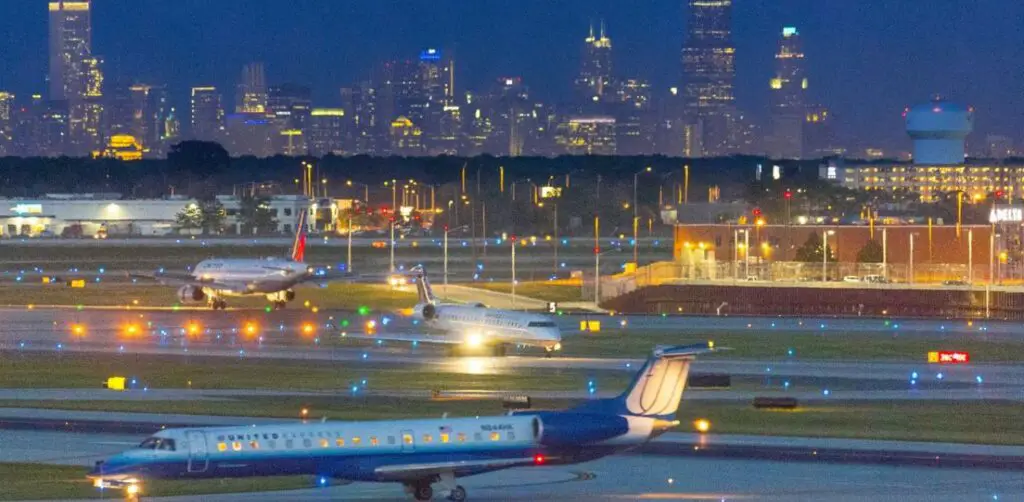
417	453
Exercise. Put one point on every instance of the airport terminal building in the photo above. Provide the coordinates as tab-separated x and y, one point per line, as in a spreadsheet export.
98	215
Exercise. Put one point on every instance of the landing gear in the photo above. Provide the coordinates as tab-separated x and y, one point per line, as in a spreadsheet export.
499	350
548	352
218	304
421	490
280	305
458	494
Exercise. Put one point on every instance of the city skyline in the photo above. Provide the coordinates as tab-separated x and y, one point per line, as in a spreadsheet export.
478	66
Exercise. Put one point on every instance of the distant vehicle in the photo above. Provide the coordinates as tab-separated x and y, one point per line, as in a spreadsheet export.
851	278
877	279
956	282
379	244
275	278
416	453
752	278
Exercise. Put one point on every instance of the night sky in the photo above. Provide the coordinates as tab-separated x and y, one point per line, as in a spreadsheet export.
867	59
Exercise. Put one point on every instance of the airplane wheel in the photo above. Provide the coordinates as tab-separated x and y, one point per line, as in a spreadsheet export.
499	351
458	494
423	491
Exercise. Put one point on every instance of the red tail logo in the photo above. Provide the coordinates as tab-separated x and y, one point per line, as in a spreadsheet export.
299	246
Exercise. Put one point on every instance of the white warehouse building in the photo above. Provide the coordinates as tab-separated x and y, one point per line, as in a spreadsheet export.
89	215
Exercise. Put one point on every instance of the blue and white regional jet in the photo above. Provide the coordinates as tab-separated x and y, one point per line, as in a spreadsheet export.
417	453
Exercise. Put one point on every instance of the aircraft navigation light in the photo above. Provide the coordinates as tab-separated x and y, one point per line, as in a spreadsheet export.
702	425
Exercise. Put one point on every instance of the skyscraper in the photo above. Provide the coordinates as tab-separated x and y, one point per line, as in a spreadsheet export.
75	74
788	103
252	90
709	71
290	105
6	122
594	79
207	114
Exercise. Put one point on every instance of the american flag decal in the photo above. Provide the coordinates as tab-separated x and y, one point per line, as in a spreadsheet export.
445	429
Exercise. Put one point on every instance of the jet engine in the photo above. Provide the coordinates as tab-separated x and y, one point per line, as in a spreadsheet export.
429	312
191	294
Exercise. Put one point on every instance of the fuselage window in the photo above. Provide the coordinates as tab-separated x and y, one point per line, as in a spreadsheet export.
495	436
254	445
391	439
373	441
511	436
427	438
236	445
324	443
407	438
445	437
340	442
272	444
308	443
462	437
356	441
477	436
222	446
289	443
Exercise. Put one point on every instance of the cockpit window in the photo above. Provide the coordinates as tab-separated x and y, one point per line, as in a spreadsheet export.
541	324
157	444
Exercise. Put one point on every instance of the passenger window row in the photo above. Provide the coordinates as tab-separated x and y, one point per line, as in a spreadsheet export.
323	440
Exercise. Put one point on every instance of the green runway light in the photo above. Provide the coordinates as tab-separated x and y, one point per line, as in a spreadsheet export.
344	323
266	309
364	310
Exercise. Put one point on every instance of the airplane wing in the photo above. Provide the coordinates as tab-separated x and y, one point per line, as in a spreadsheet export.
408	472
408	337
185	279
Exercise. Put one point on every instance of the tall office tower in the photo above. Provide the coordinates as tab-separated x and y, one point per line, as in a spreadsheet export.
7	112
787	98
207	114
635	120
709	71
594	80
289	105
75	75
327	132
252	90
441	121
41	128
819	133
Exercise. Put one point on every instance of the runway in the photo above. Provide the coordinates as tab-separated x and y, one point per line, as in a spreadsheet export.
618	478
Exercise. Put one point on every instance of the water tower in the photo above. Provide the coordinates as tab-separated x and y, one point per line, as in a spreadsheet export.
939	130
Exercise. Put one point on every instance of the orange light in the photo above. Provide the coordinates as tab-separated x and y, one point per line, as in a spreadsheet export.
305	411
194	329
250	328
131	329
77	329
308	328
702	425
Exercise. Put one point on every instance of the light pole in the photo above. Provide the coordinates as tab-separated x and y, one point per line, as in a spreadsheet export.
513	272
824	254
746	253
910	272
597	260
366	191
885	254
636	240
348	264
446	231
392	244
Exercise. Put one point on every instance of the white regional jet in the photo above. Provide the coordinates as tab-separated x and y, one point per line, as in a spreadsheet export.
275	278
419	454
475	328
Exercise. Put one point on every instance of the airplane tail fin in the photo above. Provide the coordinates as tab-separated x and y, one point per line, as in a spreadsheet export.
299	245
426	294
657	388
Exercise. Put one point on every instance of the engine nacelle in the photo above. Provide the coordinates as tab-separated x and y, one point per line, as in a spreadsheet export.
191	294
428	312
573	429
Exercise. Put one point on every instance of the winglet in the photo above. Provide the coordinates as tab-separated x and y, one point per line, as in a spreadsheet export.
299	245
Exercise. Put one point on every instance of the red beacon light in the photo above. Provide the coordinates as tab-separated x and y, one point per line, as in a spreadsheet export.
539	459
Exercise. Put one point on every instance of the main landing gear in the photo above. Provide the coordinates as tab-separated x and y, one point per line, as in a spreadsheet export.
280	305
218	304
422	489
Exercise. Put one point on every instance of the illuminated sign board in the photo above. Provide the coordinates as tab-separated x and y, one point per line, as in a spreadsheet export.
548	192
949	357
27	209
1006	214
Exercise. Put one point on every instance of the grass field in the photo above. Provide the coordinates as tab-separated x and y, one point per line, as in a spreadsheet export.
982	422
540	290
45	370
776	345
47	482
333	296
